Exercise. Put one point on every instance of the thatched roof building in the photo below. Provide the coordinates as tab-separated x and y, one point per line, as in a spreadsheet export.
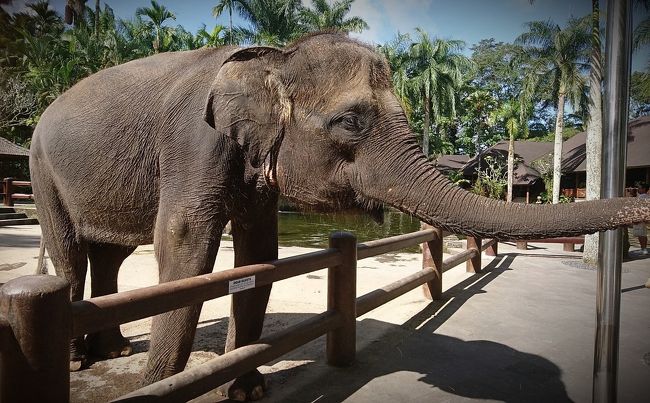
9	150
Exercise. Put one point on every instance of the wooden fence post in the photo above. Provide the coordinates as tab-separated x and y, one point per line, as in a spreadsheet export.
8	191
341	297
432	257
36	354
474	264
492	250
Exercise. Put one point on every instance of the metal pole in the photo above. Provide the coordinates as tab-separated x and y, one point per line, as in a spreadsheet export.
608	293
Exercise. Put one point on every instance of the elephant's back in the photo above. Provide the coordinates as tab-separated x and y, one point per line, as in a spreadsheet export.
98	142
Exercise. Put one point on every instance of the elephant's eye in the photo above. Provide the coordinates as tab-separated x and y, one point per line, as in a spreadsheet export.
349	121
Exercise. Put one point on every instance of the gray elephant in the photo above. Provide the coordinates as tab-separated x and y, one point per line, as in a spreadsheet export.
167	149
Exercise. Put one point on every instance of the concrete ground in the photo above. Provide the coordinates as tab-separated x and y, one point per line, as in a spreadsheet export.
522	331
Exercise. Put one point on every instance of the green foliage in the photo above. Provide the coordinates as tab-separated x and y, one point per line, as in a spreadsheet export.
325	16
457	178
491	181
546	198
41	57
427	75
640	93
556	61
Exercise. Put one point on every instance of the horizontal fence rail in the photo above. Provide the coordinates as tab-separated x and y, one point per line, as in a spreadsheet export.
8	194
104	312
338	321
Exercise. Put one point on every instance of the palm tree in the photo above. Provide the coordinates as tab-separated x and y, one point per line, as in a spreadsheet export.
641	34
439	69
325	16
558	59
74	11
273	22
396	53
41	20
510	114
594	139
219	9
210	39
158	14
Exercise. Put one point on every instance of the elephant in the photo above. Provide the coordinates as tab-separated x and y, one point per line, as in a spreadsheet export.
169	148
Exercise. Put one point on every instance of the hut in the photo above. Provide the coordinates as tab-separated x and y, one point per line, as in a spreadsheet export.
14	160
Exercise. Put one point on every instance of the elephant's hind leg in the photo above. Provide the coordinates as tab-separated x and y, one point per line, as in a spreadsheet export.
105	261
67	252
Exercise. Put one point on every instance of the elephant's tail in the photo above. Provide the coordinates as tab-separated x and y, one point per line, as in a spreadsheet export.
41	267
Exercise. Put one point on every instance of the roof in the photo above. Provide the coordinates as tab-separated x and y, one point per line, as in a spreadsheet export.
574	153
525	153
574	150
9	149
446	163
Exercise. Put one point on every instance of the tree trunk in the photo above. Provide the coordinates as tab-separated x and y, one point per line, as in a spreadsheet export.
97	12
557	149
427	124
594	131
511	165
230	17
156	42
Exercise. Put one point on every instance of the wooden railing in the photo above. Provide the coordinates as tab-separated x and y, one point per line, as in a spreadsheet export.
8	194
37	320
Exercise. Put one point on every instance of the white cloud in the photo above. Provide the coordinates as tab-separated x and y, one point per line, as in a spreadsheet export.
406	15
387	17
371	14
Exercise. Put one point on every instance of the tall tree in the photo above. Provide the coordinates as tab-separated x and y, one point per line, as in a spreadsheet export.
273	22
74	11
510	114
594	129
396	53
211	39
158	15
438	69
227	5
558	59
325	16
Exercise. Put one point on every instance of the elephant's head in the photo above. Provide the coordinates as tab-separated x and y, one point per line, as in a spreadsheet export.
321	121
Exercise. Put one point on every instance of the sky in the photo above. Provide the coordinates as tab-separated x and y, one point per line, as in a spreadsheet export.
468	20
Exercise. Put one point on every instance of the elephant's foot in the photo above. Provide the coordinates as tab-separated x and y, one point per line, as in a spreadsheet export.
108	344
78	356
247	387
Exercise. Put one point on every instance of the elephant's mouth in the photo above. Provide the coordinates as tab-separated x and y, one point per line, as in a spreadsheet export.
348	202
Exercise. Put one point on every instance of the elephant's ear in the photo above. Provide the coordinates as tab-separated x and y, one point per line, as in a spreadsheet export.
249	103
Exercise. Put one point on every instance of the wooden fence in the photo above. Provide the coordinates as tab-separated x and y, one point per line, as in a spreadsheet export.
8	194
37	320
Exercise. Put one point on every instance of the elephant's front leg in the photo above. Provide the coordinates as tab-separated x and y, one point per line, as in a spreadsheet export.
185	247
255	241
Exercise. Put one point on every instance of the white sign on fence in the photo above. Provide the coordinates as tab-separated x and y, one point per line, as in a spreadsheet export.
241	284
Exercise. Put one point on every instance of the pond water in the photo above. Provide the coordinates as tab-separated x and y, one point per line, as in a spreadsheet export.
313	229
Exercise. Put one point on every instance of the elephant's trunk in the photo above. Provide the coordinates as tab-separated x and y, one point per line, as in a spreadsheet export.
421	190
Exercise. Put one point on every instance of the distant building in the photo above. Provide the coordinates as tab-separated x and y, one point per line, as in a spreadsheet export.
527	180
574	154
446	163
14	160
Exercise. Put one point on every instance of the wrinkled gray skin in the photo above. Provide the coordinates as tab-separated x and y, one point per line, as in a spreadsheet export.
167	149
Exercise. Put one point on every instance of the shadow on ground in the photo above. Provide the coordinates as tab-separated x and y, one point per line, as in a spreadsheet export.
439	366
20	240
